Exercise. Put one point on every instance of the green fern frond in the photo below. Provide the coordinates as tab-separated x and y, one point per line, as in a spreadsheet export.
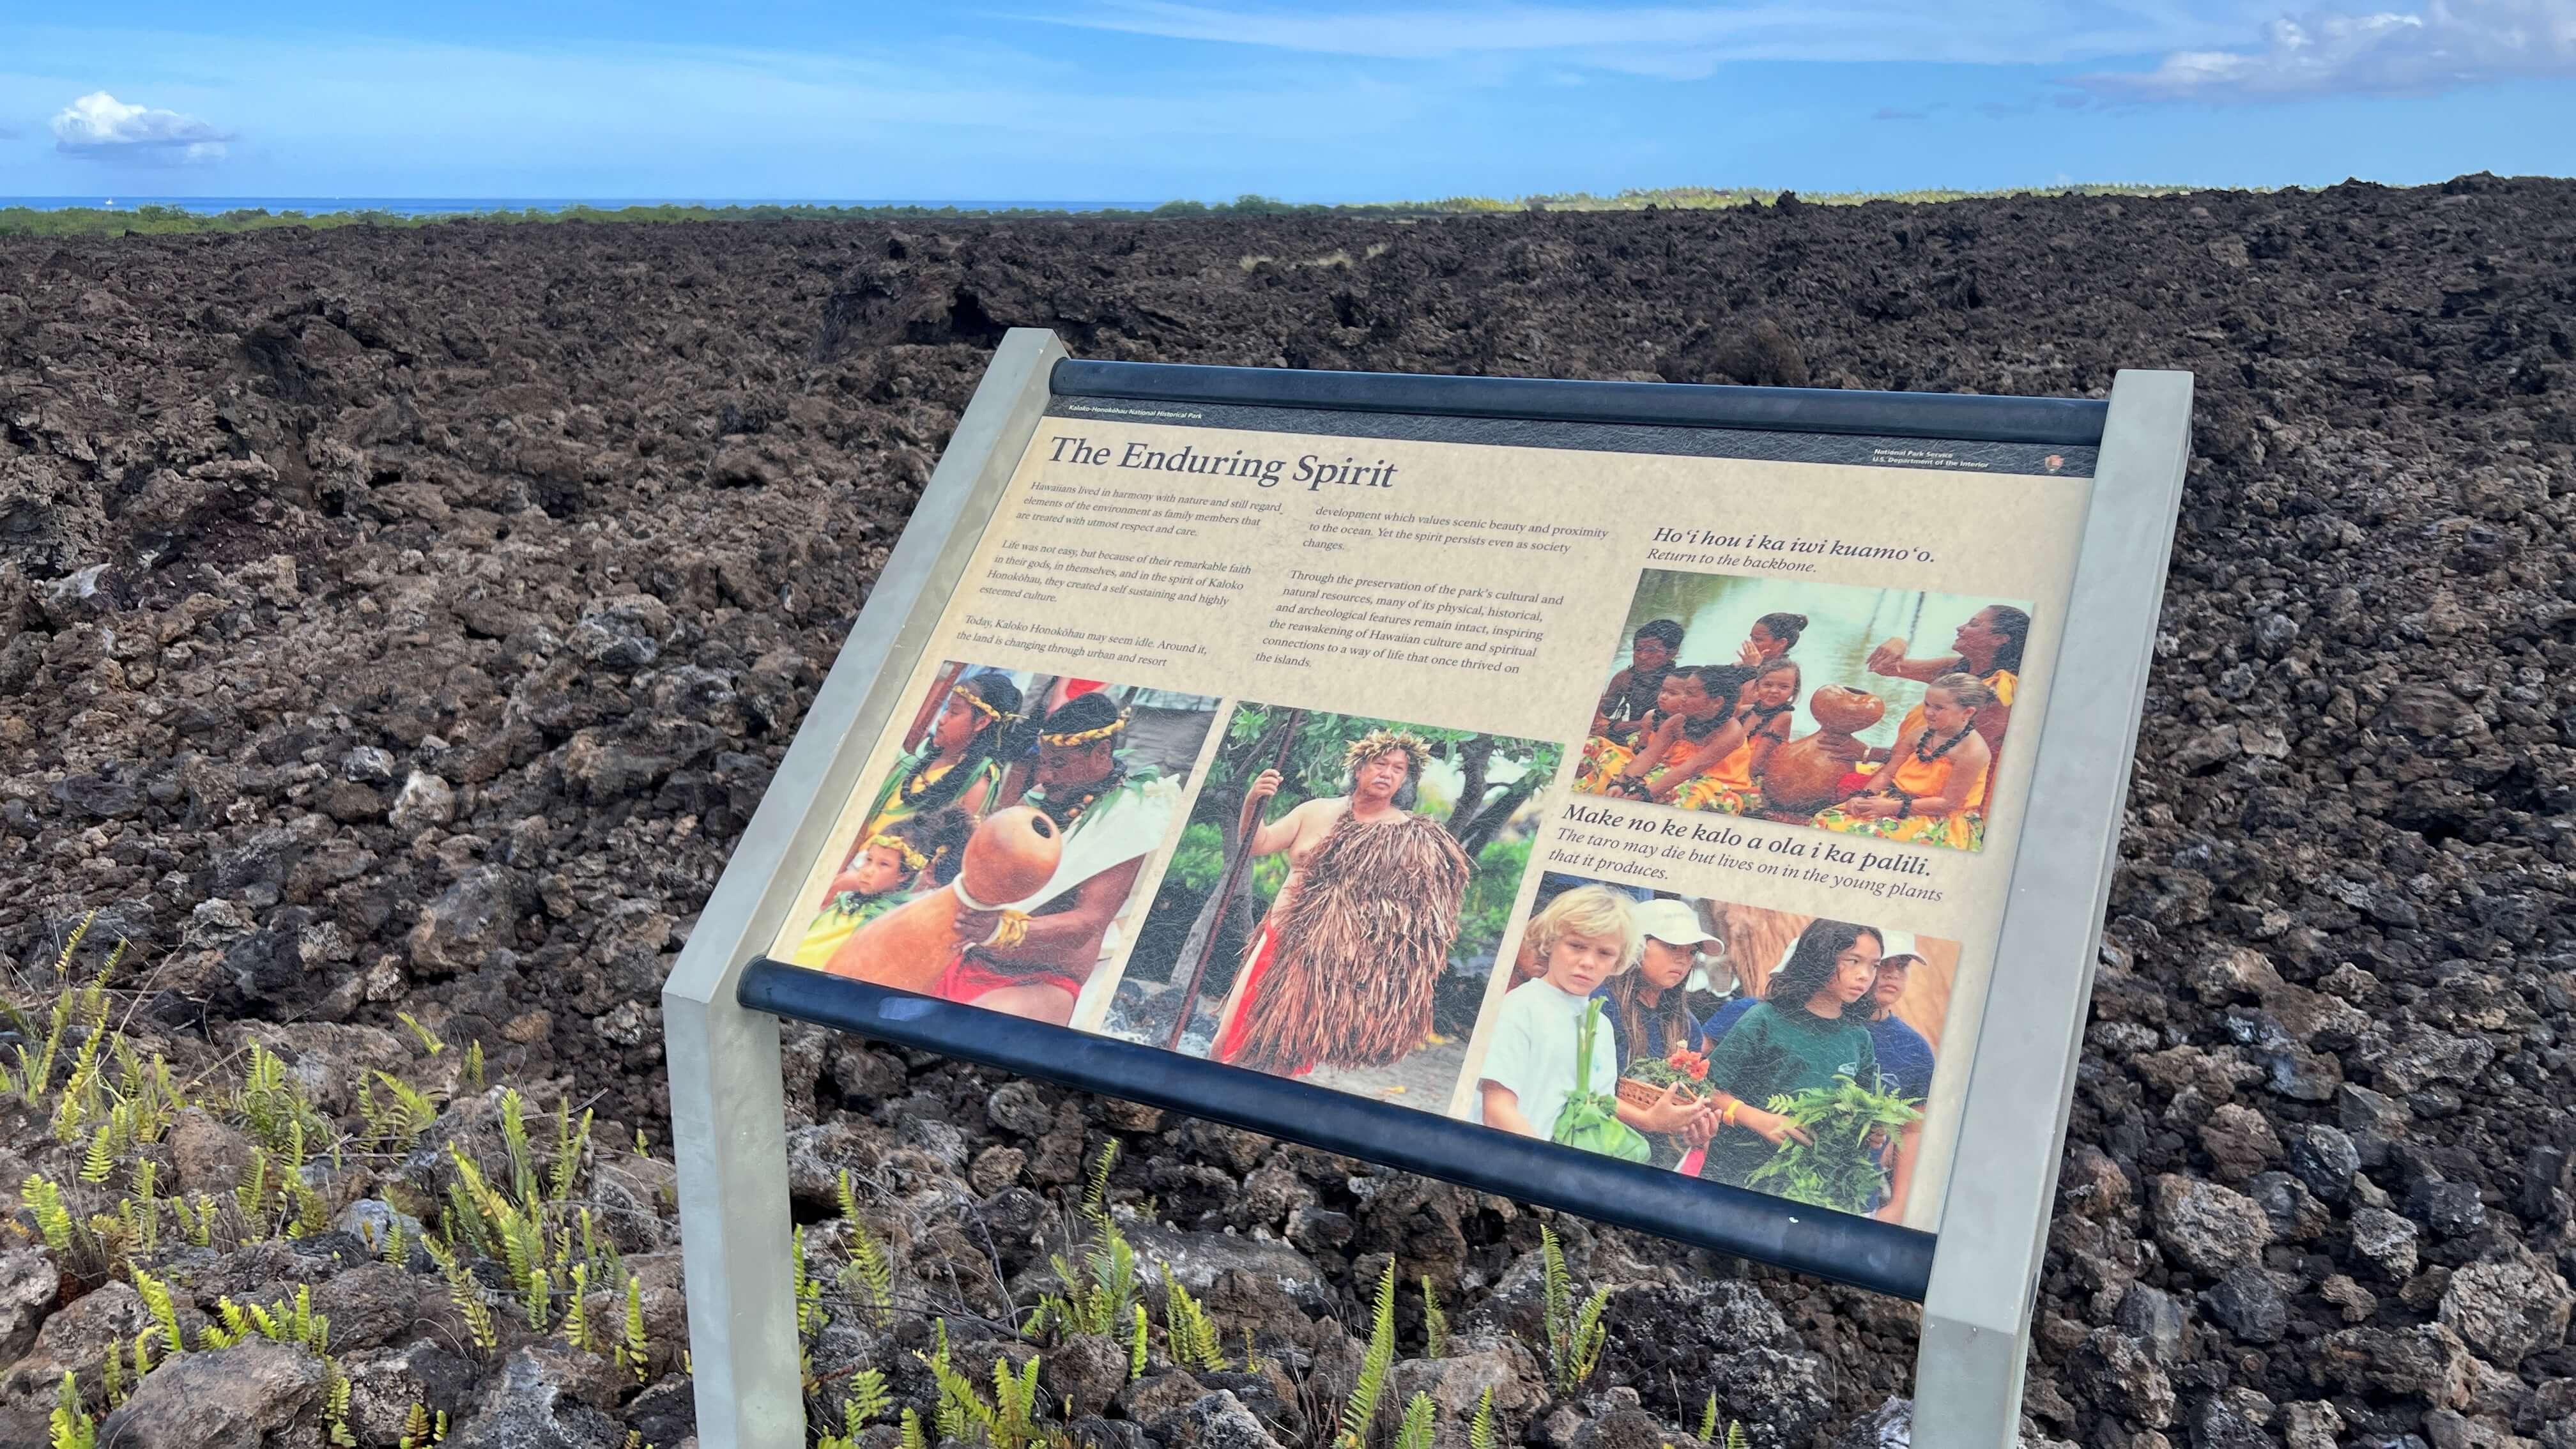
912	1436
1136	1346
633	1346
164	1312
428	1039
99	1163
1480	1429
70	1424
1361	1407
1708	1419
1435	1324
1414	1431
53	1219
868	1400
1187	1331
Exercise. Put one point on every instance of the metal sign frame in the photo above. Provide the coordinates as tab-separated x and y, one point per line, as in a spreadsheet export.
1977	1278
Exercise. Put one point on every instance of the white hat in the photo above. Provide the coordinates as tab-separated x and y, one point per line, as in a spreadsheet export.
1672	922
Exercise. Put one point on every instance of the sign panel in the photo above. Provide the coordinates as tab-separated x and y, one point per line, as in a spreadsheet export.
1652	791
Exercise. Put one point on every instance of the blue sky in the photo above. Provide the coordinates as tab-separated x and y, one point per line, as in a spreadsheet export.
1331	100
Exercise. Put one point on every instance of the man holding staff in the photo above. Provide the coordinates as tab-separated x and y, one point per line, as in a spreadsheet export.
1342	970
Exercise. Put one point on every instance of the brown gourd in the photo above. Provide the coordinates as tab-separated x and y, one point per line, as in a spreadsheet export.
1008	858
1805	775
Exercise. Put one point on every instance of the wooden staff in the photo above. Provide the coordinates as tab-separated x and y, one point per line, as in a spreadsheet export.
1225	892
946	680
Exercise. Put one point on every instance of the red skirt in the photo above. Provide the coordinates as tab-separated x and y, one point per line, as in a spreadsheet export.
965	980
1233	1034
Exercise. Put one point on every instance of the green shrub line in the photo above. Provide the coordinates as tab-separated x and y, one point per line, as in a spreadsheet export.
81	221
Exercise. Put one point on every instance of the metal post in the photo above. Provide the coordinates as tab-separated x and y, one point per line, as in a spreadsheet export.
728	1114
2003	1181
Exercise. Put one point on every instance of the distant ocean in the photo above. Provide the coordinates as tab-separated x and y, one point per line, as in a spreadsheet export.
429	205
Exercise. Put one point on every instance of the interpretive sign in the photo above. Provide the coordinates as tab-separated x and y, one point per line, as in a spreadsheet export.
1691	807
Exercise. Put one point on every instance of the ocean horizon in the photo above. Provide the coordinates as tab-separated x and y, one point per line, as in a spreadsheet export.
441	205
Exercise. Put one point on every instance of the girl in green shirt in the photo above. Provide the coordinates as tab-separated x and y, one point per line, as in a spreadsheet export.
1811	1027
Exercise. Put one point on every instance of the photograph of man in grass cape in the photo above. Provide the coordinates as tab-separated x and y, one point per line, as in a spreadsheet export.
997	862
1332	910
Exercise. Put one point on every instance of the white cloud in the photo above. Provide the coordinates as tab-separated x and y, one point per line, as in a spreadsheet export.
99	127
2446	45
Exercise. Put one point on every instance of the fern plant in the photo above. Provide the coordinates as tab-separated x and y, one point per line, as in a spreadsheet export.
1480	1429
1008	1420
1574	1335
1361	1407
70	1424
1188	1333
1435	1324
1414	1431
1100	1281
868	1276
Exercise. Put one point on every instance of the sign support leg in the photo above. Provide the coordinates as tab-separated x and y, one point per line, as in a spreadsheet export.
1994	1227
728	1108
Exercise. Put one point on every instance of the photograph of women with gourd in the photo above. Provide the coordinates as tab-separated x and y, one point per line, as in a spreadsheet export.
1764	1049
1864	711
1334	905
995	862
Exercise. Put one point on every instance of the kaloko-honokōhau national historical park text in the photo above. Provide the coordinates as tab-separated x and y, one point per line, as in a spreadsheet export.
1234	726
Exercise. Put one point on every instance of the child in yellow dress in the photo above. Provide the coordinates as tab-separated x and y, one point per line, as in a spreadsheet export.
917	852
1932	787
1690	721
1727	777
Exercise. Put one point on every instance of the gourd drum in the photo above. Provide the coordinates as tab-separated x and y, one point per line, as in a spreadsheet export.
1010	855
1805	775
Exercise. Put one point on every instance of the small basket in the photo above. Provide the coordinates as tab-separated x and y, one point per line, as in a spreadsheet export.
1639	1094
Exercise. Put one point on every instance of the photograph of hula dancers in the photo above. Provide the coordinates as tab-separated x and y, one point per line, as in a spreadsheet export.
1334	905
1765	1049
1865	711
997	862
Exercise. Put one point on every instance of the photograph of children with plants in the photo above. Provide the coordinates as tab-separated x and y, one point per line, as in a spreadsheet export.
995	862
1334	906
1764	1049
1865	711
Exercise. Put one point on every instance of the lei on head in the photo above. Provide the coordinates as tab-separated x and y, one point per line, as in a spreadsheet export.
913	860
981	704
1417	751
1084	737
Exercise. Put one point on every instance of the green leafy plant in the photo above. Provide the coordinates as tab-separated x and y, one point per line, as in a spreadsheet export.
869	1274
1435	1324
422	1429
1187	1330
1590	1119
633	1351
428	1039
1006	1421
1099	1282
1414	1431
1361	1407
1708	1419
1849	1125
1480	1429
70	1424
1574	1334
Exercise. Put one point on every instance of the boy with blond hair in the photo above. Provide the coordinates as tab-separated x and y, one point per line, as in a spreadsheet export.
1585	936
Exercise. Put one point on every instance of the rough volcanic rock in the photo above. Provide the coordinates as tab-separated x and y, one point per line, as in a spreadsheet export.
251	1396
571	519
